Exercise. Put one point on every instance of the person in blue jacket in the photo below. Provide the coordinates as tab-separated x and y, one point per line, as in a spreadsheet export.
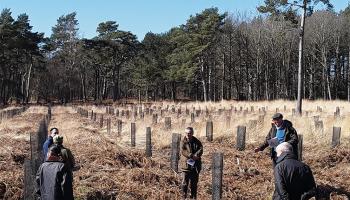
49	141
281	131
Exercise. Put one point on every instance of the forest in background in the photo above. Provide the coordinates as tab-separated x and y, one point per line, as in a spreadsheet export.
213	56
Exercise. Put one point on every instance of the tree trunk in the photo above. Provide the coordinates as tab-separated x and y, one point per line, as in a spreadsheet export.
147	95
327	71
163	92
204	84
96	85
348	82
139	95
209	86
288	67
198	96
118	86
115	86
173	91
115	78
82	86
104	87
231	71
337	69
204	90
266	83
214	92
223	78
328	86
257	86
311	76
300	60
304	85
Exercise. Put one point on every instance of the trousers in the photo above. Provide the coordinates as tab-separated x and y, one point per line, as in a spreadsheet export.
190	178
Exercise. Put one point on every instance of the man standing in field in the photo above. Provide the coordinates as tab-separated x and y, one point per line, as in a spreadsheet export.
49	141
281	131
293	179
192	150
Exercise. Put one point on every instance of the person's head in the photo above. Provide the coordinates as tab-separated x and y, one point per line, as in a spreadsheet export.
277	119
54	131
189	132
284	147
54	151
57	139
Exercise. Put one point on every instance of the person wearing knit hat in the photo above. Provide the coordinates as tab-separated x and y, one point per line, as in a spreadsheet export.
66	154
281	131
58	139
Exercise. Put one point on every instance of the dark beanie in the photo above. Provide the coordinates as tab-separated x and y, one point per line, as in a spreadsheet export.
277	116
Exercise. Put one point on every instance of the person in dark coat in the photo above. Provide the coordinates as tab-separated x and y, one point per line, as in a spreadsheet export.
192	150
66	154
49	141
53	181
293	179
281	131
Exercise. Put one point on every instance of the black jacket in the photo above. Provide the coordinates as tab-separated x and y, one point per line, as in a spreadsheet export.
290	136
293	179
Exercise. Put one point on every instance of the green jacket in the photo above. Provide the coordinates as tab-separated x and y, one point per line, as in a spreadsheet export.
190	149
67	157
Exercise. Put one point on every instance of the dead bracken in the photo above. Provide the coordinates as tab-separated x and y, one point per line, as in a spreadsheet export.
110	169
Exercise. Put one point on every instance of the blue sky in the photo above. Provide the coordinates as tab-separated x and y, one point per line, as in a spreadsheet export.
137	16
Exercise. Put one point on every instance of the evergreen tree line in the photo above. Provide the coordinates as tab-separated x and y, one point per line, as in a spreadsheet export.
211	57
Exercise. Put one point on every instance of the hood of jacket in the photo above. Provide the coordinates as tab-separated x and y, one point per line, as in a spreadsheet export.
285	156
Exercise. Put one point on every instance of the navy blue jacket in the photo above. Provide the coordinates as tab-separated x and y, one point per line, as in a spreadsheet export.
48	142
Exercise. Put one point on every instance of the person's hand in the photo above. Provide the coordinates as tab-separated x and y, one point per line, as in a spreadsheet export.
256	149
195	157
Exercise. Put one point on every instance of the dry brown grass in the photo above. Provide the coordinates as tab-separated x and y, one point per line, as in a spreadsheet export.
111	169
14	148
